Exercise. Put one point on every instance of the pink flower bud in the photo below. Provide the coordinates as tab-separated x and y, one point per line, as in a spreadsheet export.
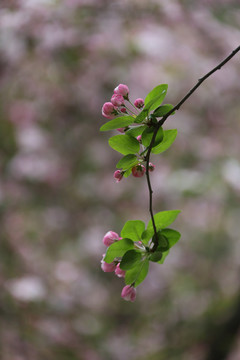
107	267
139	138
119	272
108	110
138	170
151	167
110	237
139	103
121	130
123	90
123	110
118	175
128	293
117	100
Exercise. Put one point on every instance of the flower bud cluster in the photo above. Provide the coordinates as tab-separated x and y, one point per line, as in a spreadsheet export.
128	291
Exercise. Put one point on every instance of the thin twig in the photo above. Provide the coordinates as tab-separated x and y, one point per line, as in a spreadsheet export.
162	121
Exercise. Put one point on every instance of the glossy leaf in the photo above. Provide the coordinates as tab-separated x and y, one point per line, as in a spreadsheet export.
165	254
142	116
156	97
168	138
163	110
124	144
137	274
127	173
136	130
156	256
119	122
118	249
163	219
148	134
172	235
133	229
130	259
127	161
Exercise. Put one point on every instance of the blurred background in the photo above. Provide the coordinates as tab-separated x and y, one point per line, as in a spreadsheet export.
59	62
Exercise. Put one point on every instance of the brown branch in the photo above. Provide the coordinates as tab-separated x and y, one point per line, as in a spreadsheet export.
162	121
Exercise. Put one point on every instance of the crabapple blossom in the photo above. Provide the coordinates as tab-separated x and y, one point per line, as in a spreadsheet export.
117	100
138	170
119	272
128	293
107	267
110	237
108	110
123	90
118	175
139	103
151	167
123	110
139	138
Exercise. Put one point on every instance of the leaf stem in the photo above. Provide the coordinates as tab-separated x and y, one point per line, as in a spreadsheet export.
162	121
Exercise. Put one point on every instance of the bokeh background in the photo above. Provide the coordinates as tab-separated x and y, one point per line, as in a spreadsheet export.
59	62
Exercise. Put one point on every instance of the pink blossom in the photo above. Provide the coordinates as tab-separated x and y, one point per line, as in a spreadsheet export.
151	167
119	272
121	130
117	100
107	267
139	138
108	110
123	90
139	103
123	110
138	170
118	175
128	293
110	237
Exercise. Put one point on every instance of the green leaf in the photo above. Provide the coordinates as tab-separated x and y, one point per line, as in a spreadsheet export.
147	235
133	229
127	173
124	144
164	219
127	161
172	235
155	97
130	259
165	254
163	110
118	249
156	256
168	138
119	122
136	130
148	134
142	116
137	274
163	243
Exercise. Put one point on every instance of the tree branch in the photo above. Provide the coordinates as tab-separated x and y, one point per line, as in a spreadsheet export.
162	121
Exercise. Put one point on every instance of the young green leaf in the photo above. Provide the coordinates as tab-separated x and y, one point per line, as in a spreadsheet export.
163	243
156	256
127	161
124	144
172	235
142	115
165	254
136	130
119	122
147	235
133	229
148	134
155	97
137	274
168	138
130	259
127	173
163	219
163	110
118	249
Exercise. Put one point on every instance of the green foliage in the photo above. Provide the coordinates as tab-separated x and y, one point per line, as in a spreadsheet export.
127	161
118	122
156	97
156	256
168	138
163	110
118	249
165	254
130	259
133	229
172	235
124	144
142	116
136	130
148	134
137	274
